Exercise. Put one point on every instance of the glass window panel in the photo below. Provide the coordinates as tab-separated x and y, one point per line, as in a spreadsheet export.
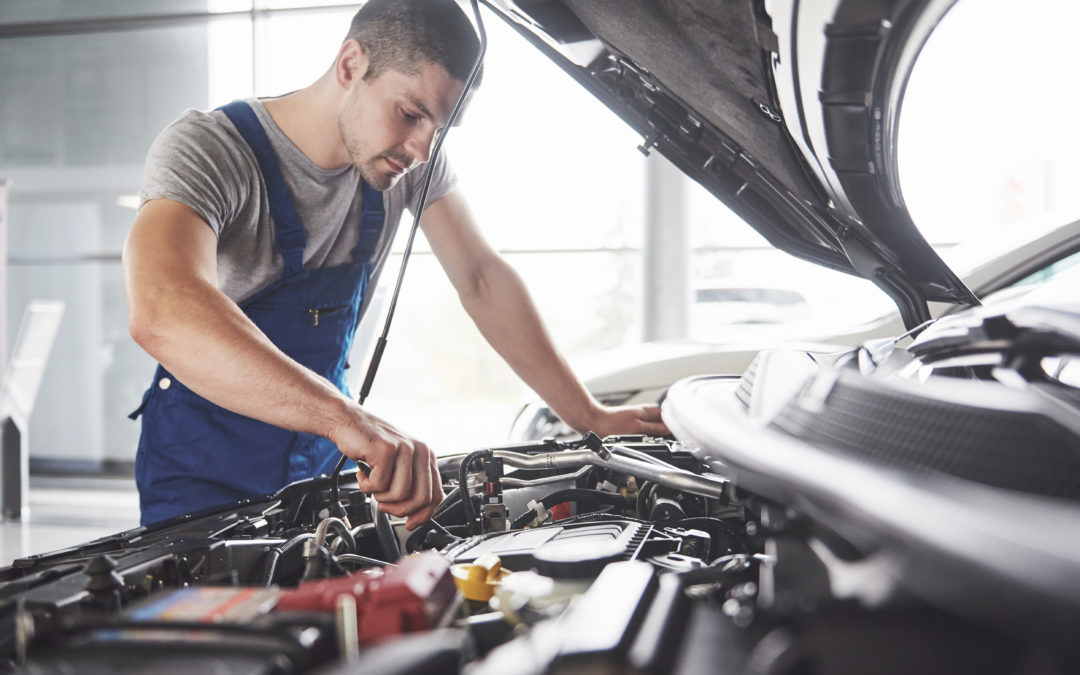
229	60
988	144
289	4
77	115
96	99
543	163
20	11
293	49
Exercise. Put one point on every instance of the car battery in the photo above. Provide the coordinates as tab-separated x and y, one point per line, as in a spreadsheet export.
416	594
195	629
206	604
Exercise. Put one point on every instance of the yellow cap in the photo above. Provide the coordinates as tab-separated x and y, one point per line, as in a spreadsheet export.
477	580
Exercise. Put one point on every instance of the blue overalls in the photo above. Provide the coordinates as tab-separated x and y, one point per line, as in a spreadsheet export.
194	454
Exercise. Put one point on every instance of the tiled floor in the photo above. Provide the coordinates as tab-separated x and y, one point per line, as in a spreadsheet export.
68	511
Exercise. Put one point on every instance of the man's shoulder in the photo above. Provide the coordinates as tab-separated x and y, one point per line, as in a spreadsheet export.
199	160
202	140
200	125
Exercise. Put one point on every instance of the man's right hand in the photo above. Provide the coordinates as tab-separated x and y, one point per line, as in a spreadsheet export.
404	475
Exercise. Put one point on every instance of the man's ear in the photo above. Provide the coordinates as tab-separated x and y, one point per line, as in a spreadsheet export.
351	64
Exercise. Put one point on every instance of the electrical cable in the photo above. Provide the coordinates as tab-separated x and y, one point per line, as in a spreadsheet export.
380	345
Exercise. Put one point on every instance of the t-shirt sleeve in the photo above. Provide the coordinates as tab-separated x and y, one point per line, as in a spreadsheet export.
193	161
443	180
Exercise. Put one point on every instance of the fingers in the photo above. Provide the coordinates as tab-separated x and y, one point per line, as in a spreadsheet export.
654	429
379	478
425	491
404	474
401	484
650	421
435	497
414	495
650	413
387	451
633	419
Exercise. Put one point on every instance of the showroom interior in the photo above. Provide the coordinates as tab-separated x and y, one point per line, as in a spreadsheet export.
634	266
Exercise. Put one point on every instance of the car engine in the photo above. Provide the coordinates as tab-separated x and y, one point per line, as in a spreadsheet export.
817	516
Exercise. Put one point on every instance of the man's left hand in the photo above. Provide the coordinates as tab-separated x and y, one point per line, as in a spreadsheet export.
628	419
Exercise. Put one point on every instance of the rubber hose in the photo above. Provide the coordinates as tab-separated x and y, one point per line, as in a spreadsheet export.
278	552
338	526
448	502
463	485
418	536
363	559
388	540
644	492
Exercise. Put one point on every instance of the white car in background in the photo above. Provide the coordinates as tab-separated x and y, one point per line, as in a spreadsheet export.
641	373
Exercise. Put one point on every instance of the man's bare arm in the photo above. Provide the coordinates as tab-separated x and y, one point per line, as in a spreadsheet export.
178	315
498	302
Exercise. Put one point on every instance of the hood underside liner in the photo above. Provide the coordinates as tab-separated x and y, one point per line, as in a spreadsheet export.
694	78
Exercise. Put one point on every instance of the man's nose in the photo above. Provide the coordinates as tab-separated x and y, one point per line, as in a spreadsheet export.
420	143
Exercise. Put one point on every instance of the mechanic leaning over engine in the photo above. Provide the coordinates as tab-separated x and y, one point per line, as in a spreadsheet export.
262	229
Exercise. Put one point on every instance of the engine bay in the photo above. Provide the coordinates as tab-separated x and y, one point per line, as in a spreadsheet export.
624	554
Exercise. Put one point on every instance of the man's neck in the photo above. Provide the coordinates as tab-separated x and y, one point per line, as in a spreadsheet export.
309	118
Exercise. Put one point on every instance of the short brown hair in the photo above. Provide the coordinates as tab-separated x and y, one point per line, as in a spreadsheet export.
402	35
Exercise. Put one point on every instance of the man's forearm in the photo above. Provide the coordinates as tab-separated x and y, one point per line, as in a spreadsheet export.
211	346
503	310
496	299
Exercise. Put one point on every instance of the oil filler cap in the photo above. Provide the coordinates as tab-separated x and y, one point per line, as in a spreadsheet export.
477	580
576	558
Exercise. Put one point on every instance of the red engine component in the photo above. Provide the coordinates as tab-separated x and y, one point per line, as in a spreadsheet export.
560	511
413	596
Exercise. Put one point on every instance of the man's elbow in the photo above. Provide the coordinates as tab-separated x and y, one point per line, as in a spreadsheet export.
145	326
487	282
474	290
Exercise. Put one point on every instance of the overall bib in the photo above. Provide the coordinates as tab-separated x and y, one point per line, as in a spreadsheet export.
194	454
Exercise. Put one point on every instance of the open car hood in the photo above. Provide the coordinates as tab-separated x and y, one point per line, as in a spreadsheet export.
786	112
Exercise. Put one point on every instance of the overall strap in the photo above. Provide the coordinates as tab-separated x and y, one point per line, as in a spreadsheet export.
372	216
289	235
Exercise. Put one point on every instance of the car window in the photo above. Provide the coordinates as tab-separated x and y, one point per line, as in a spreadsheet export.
1050	271
986	149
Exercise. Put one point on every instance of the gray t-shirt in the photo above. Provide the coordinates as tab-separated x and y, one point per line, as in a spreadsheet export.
202	161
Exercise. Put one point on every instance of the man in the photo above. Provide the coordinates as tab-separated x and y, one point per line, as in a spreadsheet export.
260	233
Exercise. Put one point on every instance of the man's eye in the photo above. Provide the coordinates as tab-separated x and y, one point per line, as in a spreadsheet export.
410	117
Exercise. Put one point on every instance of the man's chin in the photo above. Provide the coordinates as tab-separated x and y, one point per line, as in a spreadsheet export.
379	180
